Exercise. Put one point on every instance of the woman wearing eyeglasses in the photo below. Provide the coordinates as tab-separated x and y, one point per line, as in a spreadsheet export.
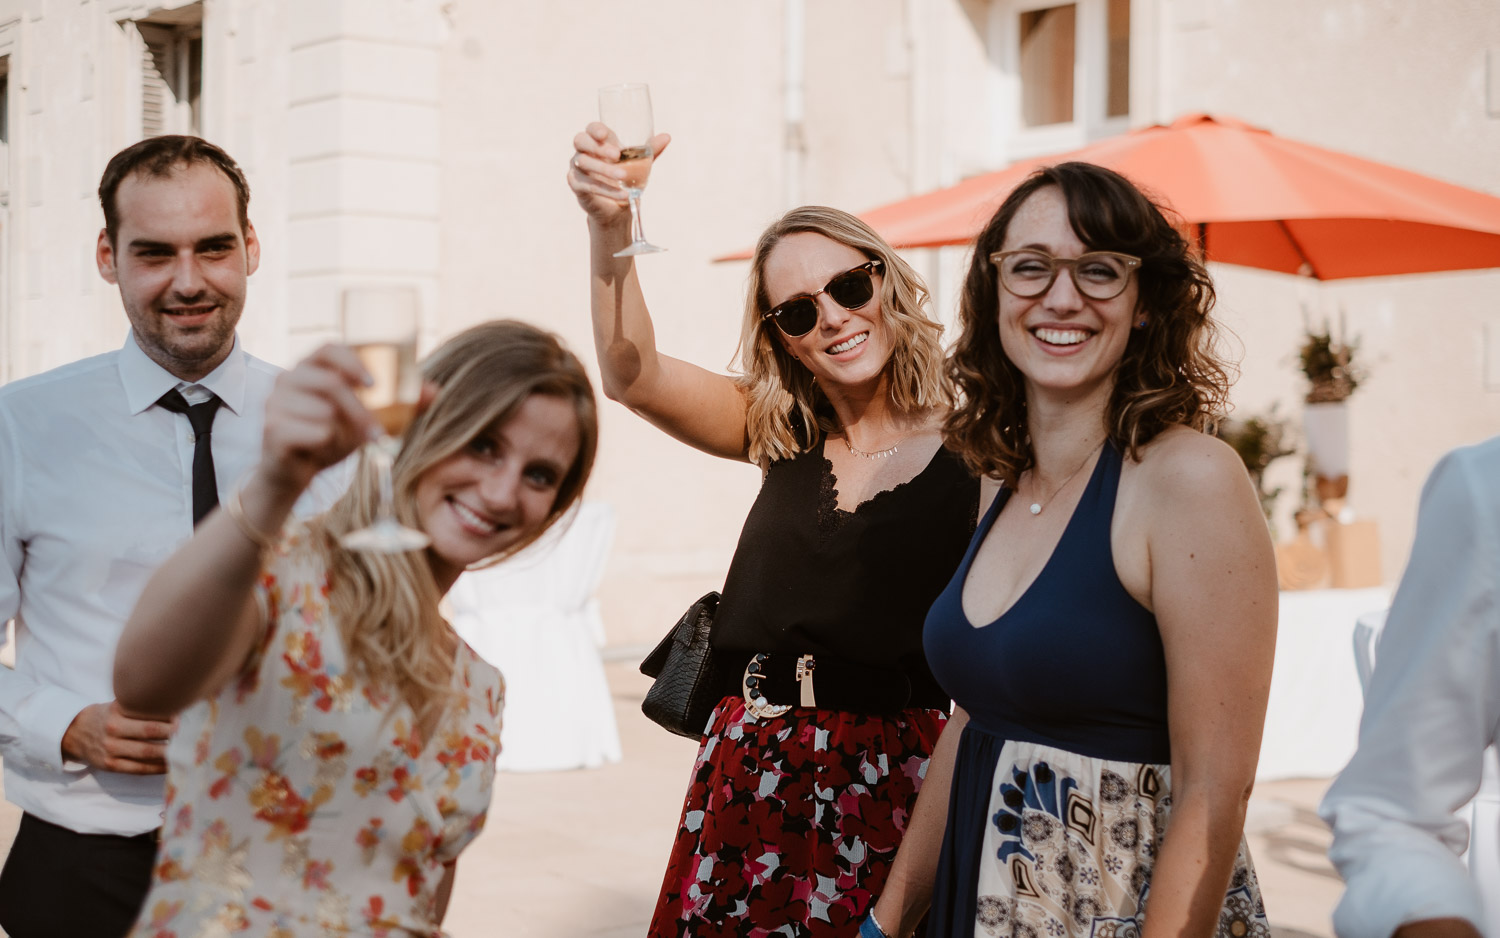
811	762
1107	639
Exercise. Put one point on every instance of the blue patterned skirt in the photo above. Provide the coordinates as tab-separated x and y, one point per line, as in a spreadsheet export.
1046	843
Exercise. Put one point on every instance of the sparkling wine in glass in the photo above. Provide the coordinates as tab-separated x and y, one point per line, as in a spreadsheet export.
380	324
626	110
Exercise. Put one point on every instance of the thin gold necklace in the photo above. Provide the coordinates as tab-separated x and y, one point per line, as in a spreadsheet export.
891	450
1036	507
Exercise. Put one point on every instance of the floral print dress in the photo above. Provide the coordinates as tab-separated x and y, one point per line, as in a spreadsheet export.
300	801
1067	844
791	823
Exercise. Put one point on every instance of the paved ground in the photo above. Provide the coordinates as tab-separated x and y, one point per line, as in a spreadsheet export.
580	854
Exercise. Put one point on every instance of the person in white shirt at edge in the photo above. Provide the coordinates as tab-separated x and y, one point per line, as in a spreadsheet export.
1433	707
96	489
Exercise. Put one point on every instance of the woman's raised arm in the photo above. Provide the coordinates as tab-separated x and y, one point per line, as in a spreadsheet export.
704	409
197	621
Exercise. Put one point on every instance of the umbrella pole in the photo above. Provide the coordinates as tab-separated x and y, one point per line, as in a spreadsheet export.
1307	269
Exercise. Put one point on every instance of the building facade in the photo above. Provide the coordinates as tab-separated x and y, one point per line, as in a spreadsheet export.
425	142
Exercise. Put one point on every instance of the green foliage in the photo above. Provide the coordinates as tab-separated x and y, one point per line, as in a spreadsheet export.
1259	441
1329	366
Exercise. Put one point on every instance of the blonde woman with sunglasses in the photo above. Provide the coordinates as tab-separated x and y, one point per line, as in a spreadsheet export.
811	762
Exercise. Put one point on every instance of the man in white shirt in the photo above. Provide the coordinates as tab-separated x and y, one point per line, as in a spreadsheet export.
97	487
1432	709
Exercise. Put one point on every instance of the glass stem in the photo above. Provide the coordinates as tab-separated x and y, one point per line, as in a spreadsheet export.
380	455
637	232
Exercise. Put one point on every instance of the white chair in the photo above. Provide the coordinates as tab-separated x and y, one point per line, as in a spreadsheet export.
1366	633
536	619
1484	842
1483	856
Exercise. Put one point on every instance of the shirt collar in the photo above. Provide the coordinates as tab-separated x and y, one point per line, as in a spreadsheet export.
145	381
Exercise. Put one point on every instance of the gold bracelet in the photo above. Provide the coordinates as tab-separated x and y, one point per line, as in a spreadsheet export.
235	510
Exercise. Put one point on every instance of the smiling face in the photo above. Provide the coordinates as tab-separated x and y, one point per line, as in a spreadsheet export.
180	259
500	488
847	348
1062	340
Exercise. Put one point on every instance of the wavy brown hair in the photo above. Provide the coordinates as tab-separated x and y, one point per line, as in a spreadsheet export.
787	412
1171	373
386	605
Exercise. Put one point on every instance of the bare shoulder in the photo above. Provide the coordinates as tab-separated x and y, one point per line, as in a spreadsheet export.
989	490
931	421
1189	467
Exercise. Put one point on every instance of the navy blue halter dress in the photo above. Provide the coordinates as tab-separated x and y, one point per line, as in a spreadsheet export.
1062	782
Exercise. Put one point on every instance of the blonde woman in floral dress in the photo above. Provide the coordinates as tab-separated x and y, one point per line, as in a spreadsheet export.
338	746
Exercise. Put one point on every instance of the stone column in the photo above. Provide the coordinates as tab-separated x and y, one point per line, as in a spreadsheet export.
363	154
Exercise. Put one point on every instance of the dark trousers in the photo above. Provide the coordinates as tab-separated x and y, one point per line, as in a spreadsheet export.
61	884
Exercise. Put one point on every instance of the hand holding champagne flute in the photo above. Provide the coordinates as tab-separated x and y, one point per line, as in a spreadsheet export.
380	325
626	110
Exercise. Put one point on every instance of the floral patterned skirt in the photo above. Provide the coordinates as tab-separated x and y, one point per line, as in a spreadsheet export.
1046	843
791	823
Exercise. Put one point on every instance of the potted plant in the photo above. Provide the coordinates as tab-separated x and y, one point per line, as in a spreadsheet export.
1328	363
1259	441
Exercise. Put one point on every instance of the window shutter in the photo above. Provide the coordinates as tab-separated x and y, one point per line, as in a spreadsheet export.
156	93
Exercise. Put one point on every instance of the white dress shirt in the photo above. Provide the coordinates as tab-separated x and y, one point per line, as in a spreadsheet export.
1433	707
96	490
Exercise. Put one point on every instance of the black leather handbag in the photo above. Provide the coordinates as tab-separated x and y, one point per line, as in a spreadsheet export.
687	686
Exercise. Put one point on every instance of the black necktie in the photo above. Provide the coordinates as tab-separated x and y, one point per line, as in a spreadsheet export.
201	416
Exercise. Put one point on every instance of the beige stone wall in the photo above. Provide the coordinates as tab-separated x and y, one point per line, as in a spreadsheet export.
514	241
330	106
518	82
1391	80
426	141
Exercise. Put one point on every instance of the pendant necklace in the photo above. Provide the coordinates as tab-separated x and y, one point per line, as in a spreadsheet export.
1036	507
891	450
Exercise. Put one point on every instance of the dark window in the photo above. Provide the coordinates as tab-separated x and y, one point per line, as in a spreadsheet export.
1117	95
1048	40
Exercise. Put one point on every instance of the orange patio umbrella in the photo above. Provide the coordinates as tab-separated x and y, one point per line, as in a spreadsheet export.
1257	200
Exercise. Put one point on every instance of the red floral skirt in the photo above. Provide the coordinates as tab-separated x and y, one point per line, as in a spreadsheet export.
791	823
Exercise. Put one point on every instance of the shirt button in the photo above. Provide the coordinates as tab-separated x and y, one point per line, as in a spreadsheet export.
192	437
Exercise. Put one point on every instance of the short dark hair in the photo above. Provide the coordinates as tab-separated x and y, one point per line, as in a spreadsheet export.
1171	373
159	156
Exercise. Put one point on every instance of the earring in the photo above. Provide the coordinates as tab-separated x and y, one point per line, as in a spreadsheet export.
1141	324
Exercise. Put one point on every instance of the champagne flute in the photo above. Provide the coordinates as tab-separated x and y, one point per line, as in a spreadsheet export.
626	109
380	325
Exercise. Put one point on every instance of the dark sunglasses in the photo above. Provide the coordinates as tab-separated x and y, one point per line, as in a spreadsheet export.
850	289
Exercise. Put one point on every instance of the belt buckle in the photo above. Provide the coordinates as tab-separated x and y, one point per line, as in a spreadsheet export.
750	685
805	667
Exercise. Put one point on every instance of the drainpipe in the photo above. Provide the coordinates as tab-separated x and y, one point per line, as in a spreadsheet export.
794	141
920	37
918	174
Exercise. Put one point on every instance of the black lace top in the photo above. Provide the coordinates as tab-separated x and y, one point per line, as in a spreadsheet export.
810	578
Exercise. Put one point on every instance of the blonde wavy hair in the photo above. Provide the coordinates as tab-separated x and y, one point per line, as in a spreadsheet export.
386	605
1172	372
787	412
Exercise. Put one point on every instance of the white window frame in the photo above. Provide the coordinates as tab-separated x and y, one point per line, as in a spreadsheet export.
1010	139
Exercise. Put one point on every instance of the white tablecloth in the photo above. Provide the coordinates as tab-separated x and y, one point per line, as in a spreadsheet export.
1312	720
